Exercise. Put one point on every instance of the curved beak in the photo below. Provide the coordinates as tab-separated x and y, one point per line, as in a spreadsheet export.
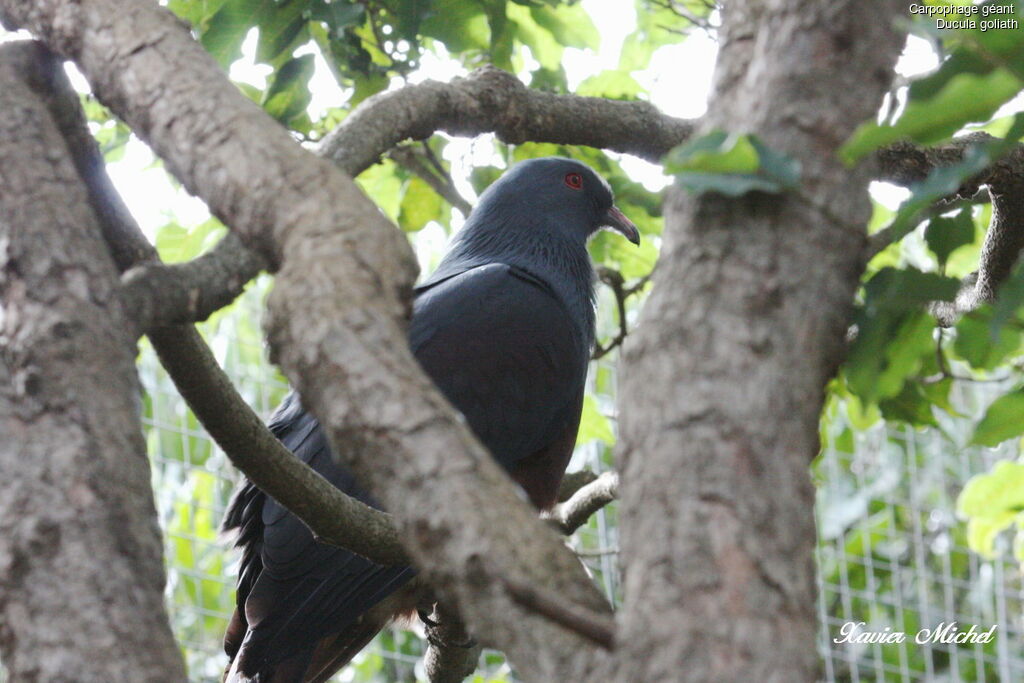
616	220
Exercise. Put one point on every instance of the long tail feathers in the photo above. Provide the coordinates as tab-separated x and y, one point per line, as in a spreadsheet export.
316	665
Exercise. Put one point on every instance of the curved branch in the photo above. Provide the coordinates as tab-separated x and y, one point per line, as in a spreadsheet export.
615	281
160	294
453	654
905	164
440	182
331	515
574	513
487	100
490	100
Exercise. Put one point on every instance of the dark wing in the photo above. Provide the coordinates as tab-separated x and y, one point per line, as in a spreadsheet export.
507	354
293	591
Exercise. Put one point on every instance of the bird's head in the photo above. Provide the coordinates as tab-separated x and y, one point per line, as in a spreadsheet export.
566	192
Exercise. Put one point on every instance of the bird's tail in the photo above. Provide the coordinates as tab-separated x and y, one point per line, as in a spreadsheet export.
291	670
317	664
333	653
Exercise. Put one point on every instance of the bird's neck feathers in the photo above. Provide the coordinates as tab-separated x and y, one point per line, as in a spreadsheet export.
556	254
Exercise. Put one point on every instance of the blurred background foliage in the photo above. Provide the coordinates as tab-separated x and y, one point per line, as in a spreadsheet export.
920	497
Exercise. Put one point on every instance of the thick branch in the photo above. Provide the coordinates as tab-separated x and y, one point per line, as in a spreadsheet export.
330	514
724	378
491	100
906	164
442	185
574	513
488	100
81	571
336	321
453	654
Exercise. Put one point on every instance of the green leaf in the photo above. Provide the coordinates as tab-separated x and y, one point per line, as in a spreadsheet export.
1002	421
420	205
983	531
888	350
616	85
945	235
994	493
911	405
281	29
966	98
340	14
460	24
732	165
716	152
502	33
383	185
542	44
570	25
226	29
481	177
981	346
176	243
288	94
908	289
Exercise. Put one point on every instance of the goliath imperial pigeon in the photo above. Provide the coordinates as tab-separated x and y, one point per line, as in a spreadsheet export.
504	327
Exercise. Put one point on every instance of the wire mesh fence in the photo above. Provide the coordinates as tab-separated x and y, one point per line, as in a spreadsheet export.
891	553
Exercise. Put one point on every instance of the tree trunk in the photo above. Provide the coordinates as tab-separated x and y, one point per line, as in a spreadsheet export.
81	571
724	381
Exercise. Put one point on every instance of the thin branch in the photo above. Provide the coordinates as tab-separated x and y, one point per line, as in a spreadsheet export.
595	627
614	280
441	182
597	552
574	513
159	294
333	517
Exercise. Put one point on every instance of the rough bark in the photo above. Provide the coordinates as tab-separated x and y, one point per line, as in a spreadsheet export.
159	295
492	100
452	654
81	571
337	315
721	396
1001	182
331	515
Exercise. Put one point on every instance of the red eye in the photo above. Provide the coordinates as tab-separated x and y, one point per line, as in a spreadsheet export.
574	180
